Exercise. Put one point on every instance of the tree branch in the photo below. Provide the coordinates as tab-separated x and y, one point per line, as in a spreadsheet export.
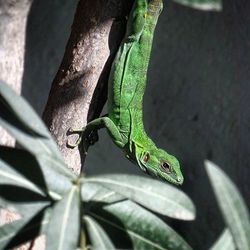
13	19
79	89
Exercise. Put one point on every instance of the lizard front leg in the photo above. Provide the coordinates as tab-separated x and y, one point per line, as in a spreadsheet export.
102	122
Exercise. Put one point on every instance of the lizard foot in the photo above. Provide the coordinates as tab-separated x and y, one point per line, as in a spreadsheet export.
79	139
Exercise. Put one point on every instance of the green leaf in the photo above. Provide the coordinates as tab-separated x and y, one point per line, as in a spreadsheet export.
44	176
58	177
91	192
232	206
38	147
20	231
20	120
64	226
22	206
13	102
146	230
98	237
206	5
155	195
225	241
9	176
49	161
20	195
22	164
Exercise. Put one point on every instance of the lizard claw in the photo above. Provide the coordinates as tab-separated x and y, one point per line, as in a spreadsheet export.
78	141
72	145
91	137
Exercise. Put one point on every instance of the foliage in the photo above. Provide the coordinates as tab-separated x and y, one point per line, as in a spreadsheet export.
233	208
206	5
76	211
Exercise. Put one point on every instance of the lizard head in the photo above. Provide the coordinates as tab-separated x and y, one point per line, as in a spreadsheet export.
159	163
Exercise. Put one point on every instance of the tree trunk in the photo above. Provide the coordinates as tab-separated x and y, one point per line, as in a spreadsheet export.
13	19
79	89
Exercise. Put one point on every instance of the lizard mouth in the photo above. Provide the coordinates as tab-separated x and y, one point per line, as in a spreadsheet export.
180	180
172	179
165	177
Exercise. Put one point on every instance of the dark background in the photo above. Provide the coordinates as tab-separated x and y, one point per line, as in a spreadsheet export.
196	103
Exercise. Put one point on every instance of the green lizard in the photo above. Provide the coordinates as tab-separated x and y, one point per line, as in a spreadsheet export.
127	82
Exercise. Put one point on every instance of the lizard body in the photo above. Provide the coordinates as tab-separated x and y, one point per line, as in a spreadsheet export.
127	83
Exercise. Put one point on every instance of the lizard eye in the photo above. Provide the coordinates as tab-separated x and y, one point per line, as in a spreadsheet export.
146	157
166	167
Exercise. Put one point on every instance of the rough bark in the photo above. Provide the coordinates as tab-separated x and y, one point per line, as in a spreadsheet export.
79	89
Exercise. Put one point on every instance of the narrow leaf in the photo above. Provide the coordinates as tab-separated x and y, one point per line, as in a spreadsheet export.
24	208
232	206
28	117
40	176
57	176
146	230
16	194
64	226
91	192
98	237
22	163
225	241
18	232
11	177
155	195
35	145
206	5
20	120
